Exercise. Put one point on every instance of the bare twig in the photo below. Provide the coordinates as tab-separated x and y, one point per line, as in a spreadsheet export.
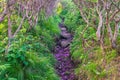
18	29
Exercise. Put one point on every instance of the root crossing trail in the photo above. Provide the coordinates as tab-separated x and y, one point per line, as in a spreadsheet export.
64	64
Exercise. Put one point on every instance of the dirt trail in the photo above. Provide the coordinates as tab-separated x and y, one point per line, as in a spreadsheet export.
64	64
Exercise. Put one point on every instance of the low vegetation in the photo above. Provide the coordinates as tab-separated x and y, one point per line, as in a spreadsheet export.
29	28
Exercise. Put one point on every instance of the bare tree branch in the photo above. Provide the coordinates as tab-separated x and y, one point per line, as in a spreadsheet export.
18	29
114	14
2	16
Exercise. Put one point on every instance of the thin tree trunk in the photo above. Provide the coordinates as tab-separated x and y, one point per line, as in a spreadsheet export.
109	29
98	33
9	33
115	35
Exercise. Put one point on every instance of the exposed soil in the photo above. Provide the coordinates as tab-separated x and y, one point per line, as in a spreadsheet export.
64	66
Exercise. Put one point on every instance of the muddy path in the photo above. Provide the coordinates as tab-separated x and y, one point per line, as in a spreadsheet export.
64	66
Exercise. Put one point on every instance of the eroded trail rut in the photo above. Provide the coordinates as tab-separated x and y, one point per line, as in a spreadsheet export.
64	64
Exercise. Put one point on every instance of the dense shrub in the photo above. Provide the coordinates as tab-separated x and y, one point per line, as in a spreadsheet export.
29	56
92	63
71	15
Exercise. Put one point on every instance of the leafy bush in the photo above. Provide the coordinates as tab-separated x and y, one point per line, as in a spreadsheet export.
90	55
90	59
29	55
48	29
71	15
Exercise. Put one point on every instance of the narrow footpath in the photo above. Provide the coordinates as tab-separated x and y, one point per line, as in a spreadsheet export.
64	66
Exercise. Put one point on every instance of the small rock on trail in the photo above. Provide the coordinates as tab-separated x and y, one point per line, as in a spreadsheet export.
64	66
63	29
64	43
65	35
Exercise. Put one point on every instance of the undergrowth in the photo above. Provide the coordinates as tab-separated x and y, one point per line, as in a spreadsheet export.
92	62
29	55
